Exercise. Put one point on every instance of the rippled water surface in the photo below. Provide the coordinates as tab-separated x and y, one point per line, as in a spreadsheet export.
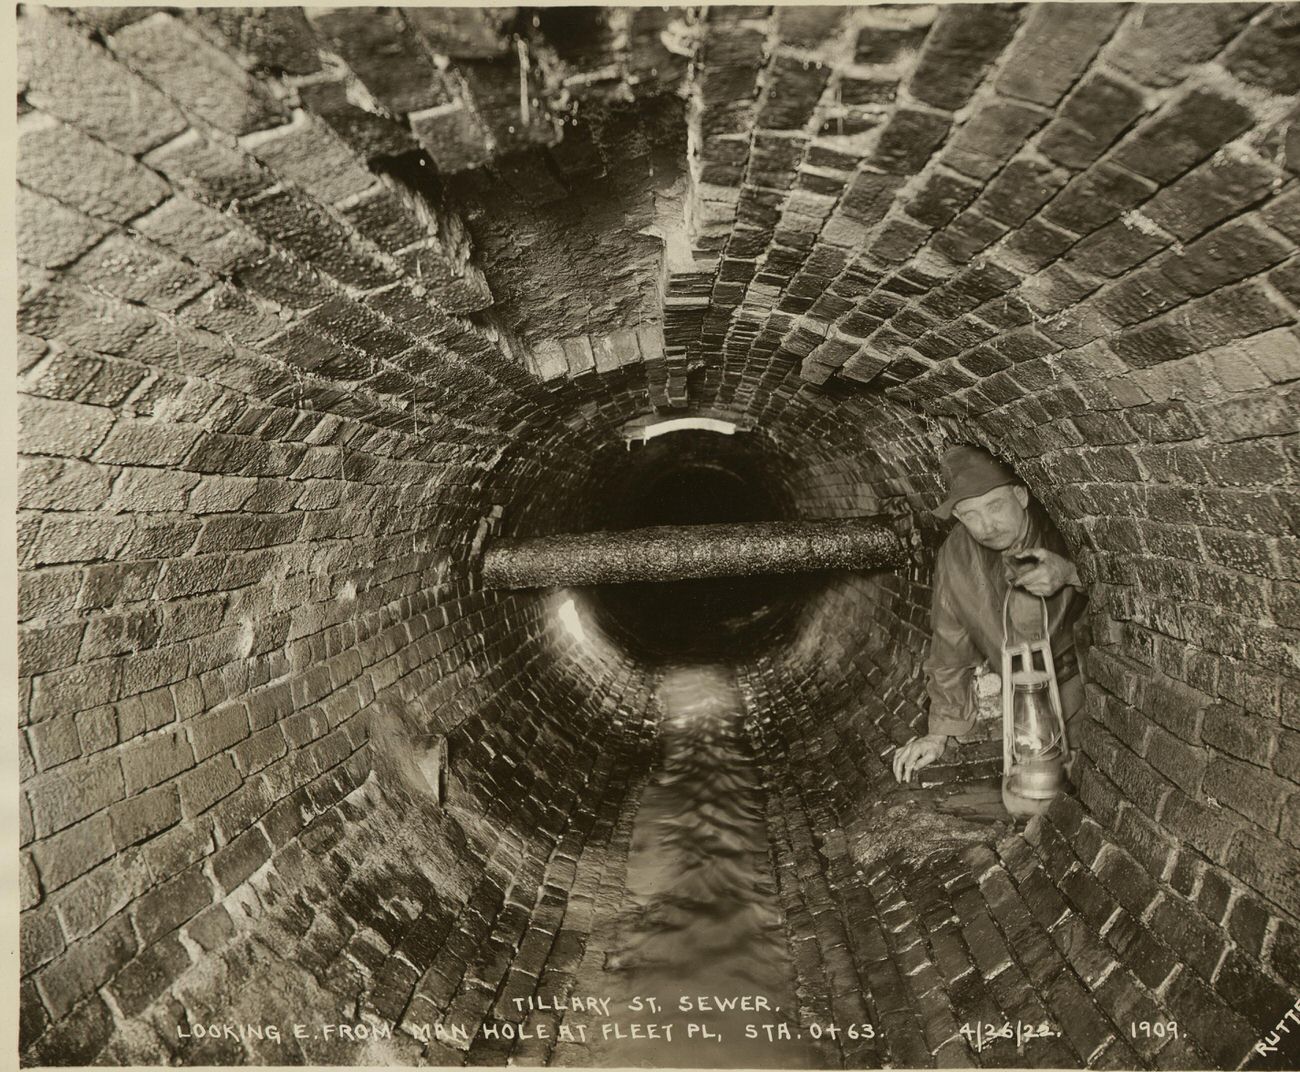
701	915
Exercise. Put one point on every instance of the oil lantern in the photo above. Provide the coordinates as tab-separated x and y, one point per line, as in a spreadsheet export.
1033	730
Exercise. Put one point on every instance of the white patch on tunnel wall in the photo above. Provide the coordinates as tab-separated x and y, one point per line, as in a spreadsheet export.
571	620
641	433
574	631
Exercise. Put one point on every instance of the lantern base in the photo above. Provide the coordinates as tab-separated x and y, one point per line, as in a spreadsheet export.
1032	785
1019	807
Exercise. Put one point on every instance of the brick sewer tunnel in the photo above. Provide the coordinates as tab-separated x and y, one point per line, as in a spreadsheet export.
316	305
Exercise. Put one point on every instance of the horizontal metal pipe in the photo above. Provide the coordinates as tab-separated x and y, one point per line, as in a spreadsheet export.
687	552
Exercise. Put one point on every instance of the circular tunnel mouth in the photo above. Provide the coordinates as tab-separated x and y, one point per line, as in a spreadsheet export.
698	478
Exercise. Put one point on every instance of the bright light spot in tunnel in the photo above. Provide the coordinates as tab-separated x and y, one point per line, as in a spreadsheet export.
571	620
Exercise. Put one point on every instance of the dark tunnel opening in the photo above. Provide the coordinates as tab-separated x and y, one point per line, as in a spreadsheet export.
697	478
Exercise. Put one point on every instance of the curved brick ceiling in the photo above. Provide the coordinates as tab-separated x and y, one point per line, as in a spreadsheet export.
312	303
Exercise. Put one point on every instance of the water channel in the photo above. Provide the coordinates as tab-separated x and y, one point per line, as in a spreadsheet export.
701	922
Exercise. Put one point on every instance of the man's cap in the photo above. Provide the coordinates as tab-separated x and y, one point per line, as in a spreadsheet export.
967	473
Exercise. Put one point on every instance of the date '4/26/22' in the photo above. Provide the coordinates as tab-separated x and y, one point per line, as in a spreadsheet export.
980	1035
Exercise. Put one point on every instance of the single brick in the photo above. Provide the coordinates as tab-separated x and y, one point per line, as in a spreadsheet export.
51	235
200	77
33	1019
1228	182
1096	197
1158	45
55	484
223	310
146	977
142	816
1092	117
1023	187
112	382
237	812
172	904
212	929
1209	829
152	490
1198	943
1128	880
81	83
1054	48
48	593
1233	730
155	759
306	152
217	730
303	228
792	89
388	218
79	538
144	442
990	137
1183	764
1255	793
385	55
1248	990
261	749
908	140
76	688
50	648
206	784
29	883
70	853
54	741
1266	54
85	966
69	429
1182	134
65	165
40	938
201	234
1221	1033
1226	255
63	375
62	797
172	851
137	272
210	171
79	1038
275	39
233	864
959	49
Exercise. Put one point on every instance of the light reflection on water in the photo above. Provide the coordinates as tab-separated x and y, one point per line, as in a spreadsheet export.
701	914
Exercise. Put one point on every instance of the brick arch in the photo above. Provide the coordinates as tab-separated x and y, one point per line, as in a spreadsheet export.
284	369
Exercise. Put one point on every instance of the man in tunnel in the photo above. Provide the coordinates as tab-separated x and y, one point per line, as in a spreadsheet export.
1003	538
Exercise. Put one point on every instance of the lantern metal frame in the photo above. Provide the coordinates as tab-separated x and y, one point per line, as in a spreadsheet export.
1026	652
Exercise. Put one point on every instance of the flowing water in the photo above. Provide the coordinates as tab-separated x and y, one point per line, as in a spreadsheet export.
701	918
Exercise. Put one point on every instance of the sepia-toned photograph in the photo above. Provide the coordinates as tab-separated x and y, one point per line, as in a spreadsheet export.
659	537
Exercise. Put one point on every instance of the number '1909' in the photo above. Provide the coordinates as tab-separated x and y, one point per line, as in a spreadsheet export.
1148	1029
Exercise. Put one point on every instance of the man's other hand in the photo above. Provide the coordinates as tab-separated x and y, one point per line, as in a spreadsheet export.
917	753
1040	571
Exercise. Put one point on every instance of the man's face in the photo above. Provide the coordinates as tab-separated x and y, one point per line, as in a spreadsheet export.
996	519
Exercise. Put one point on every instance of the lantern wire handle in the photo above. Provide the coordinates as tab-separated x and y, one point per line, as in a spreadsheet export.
1006	616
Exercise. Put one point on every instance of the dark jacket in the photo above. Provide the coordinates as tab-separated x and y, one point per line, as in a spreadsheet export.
966	622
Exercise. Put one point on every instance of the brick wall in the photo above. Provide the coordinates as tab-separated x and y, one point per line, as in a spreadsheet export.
260	450
271	403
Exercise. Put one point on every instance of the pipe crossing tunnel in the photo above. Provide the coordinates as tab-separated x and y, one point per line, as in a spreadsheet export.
320	309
